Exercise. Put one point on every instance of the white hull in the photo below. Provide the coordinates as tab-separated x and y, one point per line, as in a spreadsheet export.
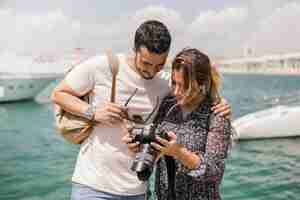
15	87
280	121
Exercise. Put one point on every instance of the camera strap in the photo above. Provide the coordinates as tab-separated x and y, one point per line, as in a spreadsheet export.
170	162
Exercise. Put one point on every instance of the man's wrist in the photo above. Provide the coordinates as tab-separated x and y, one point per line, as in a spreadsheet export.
90	112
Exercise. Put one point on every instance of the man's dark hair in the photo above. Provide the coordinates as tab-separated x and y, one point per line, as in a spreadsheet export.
153	35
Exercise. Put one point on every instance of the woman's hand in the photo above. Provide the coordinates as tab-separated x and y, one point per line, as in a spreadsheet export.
169	148
177	151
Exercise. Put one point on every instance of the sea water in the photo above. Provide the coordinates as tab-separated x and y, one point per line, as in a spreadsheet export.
37	164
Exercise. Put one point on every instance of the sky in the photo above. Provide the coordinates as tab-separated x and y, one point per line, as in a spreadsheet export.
221	28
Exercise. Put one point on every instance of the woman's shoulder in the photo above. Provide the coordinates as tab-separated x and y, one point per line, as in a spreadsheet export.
203	109
168	100
165	105
219	122
217	119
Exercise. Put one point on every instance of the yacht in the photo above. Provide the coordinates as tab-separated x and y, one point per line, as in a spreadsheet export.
277	122
21	86
30	76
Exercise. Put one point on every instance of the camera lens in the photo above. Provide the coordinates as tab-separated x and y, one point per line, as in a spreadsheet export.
144	160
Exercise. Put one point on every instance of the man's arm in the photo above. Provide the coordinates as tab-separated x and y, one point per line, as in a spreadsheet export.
69	100
106	113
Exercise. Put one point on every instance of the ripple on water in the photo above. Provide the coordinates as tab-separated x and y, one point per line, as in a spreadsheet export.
37	164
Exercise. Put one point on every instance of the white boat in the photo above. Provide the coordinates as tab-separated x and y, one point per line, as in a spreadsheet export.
277	122
29	75
21	86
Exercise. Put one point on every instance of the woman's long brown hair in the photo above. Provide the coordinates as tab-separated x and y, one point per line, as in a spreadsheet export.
201	79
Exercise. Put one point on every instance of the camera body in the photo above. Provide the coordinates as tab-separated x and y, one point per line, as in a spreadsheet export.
143	162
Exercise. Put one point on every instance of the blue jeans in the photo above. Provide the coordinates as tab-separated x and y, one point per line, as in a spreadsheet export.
82	192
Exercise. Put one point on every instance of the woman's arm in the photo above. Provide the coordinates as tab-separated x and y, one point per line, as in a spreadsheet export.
209	166
212	164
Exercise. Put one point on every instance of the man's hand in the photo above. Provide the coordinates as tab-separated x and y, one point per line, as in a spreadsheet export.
133	147
222	108
110	114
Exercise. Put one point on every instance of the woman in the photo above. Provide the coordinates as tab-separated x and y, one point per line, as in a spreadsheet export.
199	140
192	163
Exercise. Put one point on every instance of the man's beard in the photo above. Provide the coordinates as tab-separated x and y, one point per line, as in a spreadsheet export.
146	77
142	73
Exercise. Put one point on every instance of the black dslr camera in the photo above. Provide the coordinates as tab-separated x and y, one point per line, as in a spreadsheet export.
143	163
143	133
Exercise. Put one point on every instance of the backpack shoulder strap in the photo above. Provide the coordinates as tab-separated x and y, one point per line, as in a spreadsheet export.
113	62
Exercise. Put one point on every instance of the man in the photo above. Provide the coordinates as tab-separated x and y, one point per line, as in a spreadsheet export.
103	170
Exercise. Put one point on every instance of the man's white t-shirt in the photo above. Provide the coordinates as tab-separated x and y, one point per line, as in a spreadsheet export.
103	161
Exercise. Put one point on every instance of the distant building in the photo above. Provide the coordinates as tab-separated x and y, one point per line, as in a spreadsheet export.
274	64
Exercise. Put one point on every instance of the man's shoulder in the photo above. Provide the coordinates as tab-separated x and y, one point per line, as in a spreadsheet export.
163	82
164	76
101	61
90	63
98	61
